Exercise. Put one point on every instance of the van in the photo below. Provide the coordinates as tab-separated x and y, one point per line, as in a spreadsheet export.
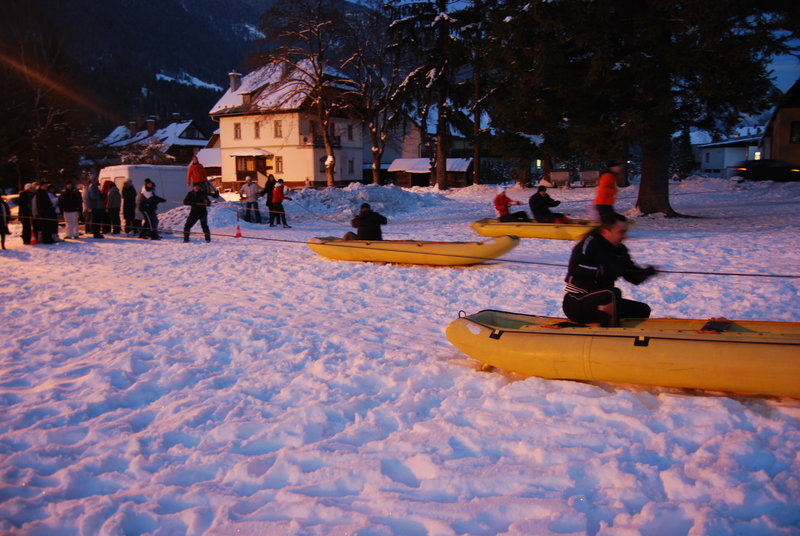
170	181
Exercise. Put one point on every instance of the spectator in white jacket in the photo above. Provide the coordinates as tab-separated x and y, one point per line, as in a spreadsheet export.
249	194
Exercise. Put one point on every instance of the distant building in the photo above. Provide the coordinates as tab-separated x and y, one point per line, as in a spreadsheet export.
782	135
181	139
417	171
717	158
267	127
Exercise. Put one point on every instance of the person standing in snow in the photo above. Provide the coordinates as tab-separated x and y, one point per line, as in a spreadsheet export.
198	201
71	206
368	223
267	194
501	204
148	204
196	174
114	205
277	205
129	207
607	188
596	263
5	217
540	204
96	206
45	215
249	194
25	214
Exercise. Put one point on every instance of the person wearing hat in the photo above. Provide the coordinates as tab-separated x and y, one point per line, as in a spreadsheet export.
249	194
501	204
540	204
71	205
148	204
197	199
607	188
25	215
368	224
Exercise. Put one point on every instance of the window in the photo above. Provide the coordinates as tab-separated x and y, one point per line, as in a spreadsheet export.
794	132
708	157
257	129
757	155
350	132
278	129
278	164
322	164
237	131
351	167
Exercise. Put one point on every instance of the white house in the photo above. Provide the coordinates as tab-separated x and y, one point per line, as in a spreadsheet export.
717	158
181	139
266	127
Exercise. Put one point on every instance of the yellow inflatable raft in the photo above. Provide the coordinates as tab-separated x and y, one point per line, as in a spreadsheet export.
554	231
413	251
720	355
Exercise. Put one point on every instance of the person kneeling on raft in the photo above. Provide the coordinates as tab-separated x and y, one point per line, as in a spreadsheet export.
368	223
594	266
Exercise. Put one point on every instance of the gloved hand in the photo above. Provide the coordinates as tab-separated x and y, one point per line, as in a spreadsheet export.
557	203
650	271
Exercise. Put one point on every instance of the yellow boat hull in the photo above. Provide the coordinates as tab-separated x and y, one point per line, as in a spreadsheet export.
553	231
413	251
748	357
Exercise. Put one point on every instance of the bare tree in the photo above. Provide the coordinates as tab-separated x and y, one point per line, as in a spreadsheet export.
304	39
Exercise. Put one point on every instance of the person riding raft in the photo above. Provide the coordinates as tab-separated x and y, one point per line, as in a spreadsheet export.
594	266
540	204
368	224
501	204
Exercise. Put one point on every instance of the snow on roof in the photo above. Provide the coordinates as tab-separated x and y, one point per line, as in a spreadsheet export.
271	87
735	142
423	165
169	135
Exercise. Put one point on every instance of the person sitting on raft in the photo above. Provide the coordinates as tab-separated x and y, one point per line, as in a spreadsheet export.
368	224
595	264
501	204
540	204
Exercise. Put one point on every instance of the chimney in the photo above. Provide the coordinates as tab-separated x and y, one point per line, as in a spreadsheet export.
236	80
132	128
151	125
176	117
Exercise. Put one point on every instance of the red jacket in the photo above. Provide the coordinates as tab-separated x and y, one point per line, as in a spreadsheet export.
277	194
196	174
501	203
606	190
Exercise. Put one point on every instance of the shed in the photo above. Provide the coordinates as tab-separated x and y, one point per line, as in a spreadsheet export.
417	171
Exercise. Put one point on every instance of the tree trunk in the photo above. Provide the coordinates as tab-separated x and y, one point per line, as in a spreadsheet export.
476	127
376	156
441	144
654	187
330	160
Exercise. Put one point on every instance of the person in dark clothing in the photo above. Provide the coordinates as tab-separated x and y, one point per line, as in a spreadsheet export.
148	205
540	204
594	266
25	214
113	206
97	208
198	201
46	215
71	204
368	225
267	194
5	217
129	207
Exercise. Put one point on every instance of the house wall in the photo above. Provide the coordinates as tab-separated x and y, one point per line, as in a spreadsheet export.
716	161
782	147
295	146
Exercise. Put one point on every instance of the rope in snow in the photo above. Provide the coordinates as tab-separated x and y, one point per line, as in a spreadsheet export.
471	257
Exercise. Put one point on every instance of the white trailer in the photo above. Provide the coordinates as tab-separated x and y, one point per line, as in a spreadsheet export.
170	181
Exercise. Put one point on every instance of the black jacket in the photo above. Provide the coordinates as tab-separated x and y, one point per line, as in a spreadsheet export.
540	206
70	201
129	202
24	200
369	224
596	264
198	201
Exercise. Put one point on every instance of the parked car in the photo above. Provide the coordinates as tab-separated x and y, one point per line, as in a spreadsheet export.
766	170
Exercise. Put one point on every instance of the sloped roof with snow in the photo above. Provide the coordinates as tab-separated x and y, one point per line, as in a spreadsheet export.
271	87
423	165
169	135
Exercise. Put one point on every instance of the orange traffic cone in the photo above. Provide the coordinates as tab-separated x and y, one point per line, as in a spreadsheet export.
238	232
33	237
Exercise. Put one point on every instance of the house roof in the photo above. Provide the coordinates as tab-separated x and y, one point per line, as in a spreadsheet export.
743	141
423	165
210	157
271	87
169	135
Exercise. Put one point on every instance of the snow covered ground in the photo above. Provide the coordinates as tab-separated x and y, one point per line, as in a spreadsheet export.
251	387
